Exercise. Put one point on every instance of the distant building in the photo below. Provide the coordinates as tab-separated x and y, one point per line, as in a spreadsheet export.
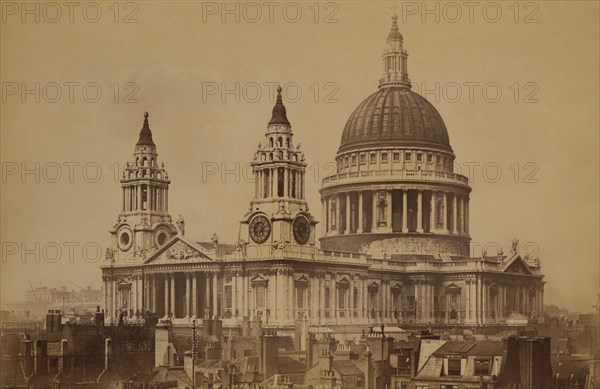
72	303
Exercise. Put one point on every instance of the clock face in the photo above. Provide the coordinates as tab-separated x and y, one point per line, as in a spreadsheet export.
301	229
260	229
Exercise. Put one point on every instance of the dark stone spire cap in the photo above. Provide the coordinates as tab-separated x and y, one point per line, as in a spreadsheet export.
279	114
145	134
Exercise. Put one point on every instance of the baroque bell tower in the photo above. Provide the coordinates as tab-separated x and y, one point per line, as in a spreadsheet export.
278	213
144	223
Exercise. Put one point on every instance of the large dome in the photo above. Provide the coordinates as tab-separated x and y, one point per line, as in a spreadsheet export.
395	116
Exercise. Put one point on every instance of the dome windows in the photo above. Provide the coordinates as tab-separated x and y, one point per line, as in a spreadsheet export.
392	158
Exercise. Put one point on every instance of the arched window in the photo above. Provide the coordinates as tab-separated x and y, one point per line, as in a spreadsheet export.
293	184
342	294
300	293
493	301
280	142
260	295
532	302
439	212
396	295
271	142
333	215
373	304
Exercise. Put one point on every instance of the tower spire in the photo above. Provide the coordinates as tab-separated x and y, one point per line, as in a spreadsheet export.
395	69
145	134
279	115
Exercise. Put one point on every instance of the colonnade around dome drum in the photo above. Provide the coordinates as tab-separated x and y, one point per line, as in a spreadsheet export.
406	210
394	191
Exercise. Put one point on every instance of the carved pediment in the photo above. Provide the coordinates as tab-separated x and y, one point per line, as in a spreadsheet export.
517	266
179	250
123	283
453	288
258	280
182	251
373	286
302	281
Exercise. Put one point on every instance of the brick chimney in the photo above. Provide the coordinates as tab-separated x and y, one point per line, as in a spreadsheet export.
268	353
163	344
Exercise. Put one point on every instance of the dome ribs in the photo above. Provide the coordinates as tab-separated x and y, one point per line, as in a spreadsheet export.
394	116
377	122
397	127
385	114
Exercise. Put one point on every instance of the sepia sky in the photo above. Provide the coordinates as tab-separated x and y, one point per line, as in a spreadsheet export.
517	87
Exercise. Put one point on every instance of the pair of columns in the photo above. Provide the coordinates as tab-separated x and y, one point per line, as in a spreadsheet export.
267	185
156	198
331	207
190	296
424	299
114	298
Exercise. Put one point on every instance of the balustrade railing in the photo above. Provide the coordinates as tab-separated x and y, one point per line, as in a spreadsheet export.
416	175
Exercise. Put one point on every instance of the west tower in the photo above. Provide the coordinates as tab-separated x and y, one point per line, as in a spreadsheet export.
144	223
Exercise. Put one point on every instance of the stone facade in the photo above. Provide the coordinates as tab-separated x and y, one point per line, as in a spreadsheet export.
394	244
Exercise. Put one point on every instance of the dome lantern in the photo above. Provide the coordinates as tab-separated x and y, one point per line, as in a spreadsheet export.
395	68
